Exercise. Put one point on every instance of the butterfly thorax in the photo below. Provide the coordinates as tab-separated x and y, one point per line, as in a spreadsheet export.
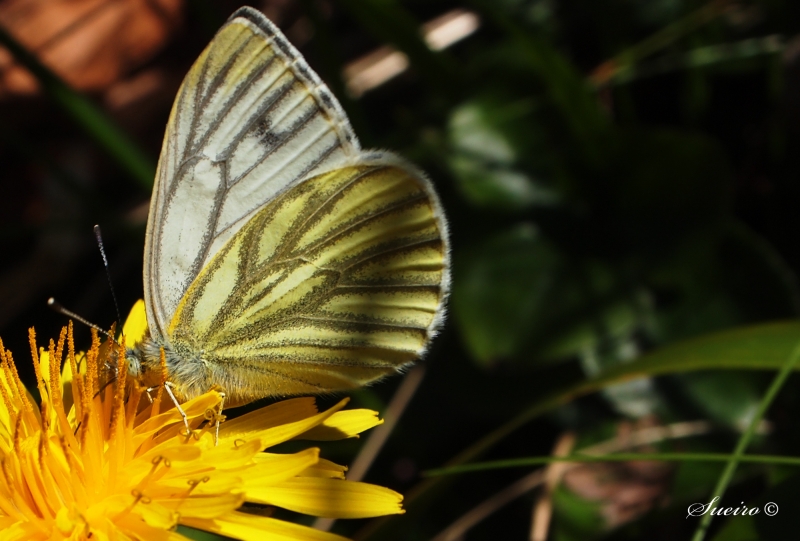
185	367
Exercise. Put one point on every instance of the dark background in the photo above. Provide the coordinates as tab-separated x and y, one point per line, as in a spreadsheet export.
619	175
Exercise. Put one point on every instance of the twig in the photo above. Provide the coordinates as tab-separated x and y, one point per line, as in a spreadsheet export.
475	515
543	508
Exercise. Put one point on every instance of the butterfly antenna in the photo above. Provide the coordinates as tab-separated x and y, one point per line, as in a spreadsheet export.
56	306
99	237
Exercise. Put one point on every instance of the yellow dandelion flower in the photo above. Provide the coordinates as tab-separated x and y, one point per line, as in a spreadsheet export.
104	460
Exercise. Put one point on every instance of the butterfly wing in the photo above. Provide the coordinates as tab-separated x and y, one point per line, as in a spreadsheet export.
251	119
335	283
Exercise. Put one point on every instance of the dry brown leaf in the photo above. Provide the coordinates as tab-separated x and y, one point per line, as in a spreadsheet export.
89	43
625	490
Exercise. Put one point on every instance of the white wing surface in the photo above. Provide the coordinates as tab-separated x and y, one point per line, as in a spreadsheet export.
251	120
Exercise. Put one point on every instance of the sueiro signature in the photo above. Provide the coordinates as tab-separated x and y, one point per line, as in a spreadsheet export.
700	509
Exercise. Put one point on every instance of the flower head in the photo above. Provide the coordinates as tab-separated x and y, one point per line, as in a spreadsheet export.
101	458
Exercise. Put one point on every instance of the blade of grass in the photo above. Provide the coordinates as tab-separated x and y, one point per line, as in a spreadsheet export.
744	440
86	114
658	41
700	57
617	457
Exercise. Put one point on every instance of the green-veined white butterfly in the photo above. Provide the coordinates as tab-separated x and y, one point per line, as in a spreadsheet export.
280	257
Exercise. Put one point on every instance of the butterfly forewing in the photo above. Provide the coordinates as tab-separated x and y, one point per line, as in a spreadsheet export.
251	119
337	282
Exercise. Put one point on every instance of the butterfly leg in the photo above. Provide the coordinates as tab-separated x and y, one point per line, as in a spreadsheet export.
219	418
168	387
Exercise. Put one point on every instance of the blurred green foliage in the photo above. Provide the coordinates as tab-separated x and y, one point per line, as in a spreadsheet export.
622	182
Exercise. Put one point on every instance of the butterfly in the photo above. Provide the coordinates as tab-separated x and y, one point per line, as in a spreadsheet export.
280	257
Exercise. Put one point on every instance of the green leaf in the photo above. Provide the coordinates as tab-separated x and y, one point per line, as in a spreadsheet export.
613	321
739	529
516	298
575	519
499	154
200	535
729	398
500	291
694	481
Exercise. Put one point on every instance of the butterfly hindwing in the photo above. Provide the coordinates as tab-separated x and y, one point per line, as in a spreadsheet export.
335	283
250	120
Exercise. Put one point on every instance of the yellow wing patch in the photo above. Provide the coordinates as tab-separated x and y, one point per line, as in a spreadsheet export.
135	326
333	284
